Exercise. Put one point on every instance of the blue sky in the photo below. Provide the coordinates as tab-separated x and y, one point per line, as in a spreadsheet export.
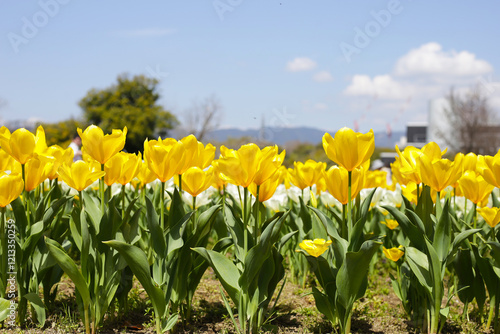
323	63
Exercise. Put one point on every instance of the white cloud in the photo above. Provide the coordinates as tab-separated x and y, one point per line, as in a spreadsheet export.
151	32
300	64
323	76
381	86
430	59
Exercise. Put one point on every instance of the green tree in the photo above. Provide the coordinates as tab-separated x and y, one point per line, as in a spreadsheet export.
132	103
61	133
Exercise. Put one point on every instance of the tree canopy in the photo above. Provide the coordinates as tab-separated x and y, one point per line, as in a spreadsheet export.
132	103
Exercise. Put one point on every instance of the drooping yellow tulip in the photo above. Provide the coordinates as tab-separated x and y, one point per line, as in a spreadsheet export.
489	168
164	157
122	168
439	173
11	186
22	144
37	170
306	174
99	146
475	188
145	175
393	254
337	182
315	247
390	223
268	188
80	174
491	215
349	149
195	180
249	164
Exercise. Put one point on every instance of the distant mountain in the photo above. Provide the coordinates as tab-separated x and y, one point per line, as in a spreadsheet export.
281	136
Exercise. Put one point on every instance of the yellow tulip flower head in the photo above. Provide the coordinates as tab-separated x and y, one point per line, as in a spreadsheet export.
489	168
7	162
37	169
268	188
376	178
439	173
195	180
22	144
11	186
315	247
217	181
393	254
99	146
61	156
337	182
469	162
474	187
306	174
196	154
410	192
390	223
491	215
122	168
249	164
164	157
145	175
80	174
349	149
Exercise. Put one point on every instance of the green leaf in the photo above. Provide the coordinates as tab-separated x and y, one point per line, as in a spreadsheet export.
70	268
236	229
175	233
4	309
138	262
176	211
415	234
443	233
156	233
419	264
353	272
495	251
171	321
457	241
38	305
357	231
226	271
324	304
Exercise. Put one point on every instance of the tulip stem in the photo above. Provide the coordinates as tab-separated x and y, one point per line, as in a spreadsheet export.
101	189
245	221
180	184
25	195
474	206
80	195
349	207
162	204
256	215
194	203
343	228
123	202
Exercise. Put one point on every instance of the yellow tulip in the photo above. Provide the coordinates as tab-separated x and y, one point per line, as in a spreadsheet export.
249	164
80	174
349	149
475	188
195	180
390	223
22	144
410	192
11	186
37	170
491	215
145	175
122	168
217	181
439	173
407	162
489	168
7	162
393	254
164	157
266	189
376	178
337	182
61	156
306	174
99	146
469	162
315	247
196	154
